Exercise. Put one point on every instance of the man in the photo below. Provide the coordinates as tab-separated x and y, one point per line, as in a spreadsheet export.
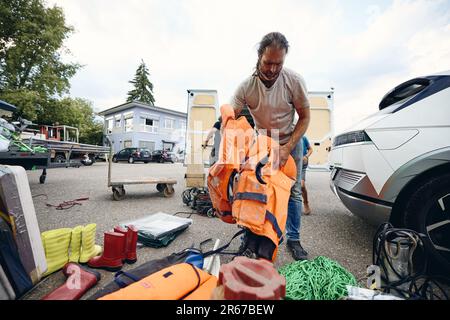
307	151
273	94
214	131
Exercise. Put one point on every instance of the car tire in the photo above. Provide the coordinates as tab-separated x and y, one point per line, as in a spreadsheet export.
428	212
114	159
160	187
90	162
59	158
131	160
168	191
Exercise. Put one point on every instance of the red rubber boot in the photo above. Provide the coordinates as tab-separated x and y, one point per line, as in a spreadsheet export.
79	280
129	255
123	231
113	248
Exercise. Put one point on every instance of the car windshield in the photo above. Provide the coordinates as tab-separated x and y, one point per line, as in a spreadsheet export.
404	91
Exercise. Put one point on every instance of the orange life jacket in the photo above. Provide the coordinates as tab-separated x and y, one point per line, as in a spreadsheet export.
234	144
181	281
243	185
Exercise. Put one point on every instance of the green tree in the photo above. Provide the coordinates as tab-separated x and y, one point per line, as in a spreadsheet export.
31	44
33	76
30	102
143	88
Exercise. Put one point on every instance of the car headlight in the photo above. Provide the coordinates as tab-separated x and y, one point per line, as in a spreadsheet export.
351	137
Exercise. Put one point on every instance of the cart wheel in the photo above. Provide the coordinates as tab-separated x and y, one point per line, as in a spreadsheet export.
42	179
118	193
160	187
168	190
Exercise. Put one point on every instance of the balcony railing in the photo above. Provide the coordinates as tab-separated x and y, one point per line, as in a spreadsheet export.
146	128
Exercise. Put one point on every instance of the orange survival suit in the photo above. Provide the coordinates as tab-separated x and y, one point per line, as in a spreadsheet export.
246	189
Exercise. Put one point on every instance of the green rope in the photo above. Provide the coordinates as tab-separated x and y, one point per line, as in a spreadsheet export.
318	279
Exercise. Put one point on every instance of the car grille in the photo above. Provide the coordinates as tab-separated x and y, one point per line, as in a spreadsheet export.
350	177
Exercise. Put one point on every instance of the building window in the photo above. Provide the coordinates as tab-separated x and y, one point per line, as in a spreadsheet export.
128	125
149	125
127	144
128	121
150	145
183	124
109	125
117	122
169	123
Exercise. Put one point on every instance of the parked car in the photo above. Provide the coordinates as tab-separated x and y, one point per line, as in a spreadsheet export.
395	165
132	155
162	156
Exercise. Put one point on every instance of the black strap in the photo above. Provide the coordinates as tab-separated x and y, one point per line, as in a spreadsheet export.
120	282
230	186
198	282
220	250
274	222
260	197
258	168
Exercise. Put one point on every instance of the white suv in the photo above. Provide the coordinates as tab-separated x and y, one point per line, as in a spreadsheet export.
395	165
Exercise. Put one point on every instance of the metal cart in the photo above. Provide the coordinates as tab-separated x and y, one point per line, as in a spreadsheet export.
164	185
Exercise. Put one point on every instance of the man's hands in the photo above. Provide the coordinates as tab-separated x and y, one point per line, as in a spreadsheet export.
281	155
305	159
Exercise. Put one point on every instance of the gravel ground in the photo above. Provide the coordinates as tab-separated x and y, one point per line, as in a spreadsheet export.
331	230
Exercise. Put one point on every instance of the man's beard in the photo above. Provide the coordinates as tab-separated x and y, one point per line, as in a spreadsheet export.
271	77
268	81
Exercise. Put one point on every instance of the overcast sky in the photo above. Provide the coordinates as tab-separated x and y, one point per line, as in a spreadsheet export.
360	48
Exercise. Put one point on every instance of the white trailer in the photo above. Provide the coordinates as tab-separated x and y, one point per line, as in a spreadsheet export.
203	112
321	127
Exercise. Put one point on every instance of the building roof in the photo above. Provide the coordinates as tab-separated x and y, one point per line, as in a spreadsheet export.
133	104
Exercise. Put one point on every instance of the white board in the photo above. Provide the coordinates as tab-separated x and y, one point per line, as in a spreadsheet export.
15	195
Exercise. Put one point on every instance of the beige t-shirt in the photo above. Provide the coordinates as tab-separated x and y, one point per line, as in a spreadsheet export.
273	108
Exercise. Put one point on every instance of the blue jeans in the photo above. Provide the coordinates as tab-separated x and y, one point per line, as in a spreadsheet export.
295	200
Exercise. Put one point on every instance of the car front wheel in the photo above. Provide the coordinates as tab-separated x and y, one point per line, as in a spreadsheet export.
428	212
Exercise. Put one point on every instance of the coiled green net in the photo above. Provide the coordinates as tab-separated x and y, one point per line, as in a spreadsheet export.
318	279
